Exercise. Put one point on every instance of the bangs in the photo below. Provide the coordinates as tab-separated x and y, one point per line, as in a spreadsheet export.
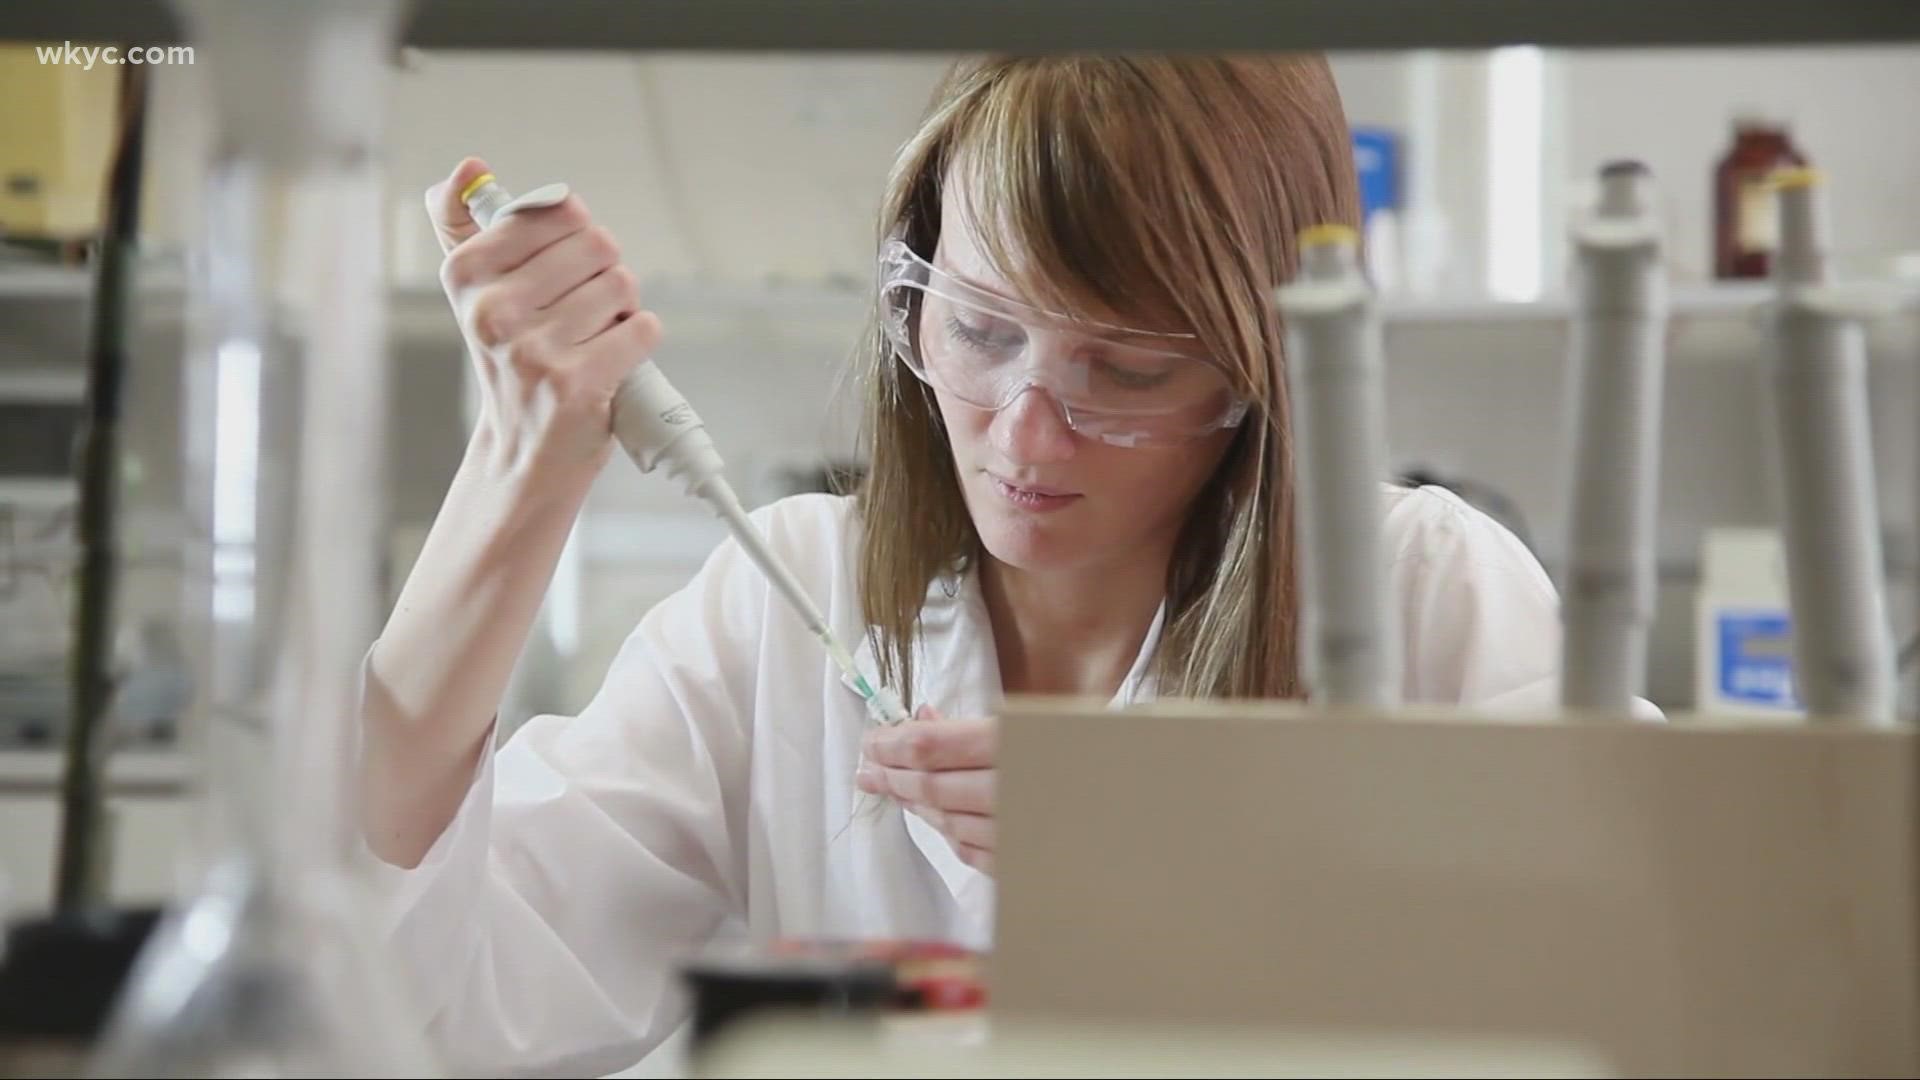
1051	176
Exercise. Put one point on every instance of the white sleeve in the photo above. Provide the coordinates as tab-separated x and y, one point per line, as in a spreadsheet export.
1480	616
592	853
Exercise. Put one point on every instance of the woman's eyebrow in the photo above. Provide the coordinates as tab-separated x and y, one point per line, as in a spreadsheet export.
1108	327
971	283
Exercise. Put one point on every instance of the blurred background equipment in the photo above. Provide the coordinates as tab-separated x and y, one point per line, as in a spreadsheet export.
1746	216
1616	365
57	137
61	972
266	966
40	415
1745	636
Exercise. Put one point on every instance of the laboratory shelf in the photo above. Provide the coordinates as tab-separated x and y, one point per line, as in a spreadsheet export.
966	25
135	771
1715	298
24	280
161	286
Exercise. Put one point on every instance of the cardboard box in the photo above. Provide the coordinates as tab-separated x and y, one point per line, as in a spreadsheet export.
1712	898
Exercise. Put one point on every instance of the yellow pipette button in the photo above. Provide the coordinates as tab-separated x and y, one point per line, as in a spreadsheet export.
474	185
1329	233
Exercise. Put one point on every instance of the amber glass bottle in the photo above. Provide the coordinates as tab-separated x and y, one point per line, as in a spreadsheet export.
1745	218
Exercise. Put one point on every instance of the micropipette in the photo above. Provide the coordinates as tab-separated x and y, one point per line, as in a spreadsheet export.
1337	373
655	424
1825	479
1617	357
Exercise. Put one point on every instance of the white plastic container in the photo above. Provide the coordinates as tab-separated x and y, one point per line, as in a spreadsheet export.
1743	643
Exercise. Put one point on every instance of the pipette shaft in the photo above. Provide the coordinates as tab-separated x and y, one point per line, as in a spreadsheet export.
885	705
1335	365
1843	660
1618	347
656	426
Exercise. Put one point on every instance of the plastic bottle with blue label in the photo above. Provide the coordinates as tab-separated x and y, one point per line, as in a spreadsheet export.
1376	159
1744	630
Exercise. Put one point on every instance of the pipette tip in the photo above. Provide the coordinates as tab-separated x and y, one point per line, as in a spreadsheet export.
886	707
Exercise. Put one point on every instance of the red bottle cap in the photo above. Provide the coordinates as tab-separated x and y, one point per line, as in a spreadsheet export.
945	992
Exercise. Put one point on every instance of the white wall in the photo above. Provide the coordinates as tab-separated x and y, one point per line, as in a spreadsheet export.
716	168
1850	110
1672	109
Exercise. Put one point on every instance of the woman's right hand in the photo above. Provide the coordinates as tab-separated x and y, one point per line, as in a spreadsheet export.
553	322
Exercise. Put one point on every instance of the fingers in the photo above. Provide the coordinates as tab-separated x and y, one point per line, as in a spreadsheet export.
934	744
943	771
968	791
556	271
552	316
980	859
973	830
618	349
513	241
565	293
451	222
593	306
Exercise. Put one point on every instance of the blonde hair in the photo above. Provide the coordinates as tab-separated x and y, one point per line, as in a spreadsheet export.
1164	187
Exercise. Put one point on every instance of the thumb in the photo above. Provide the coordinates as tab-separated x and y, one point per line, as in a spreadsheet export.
926	712
451	221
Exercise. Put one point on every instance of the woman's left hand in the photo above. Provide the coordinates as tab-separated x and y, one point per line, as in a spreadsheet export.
941	770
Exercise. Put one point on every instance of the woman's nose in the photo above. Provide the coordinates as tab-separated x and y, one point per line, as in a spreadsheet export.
1032	429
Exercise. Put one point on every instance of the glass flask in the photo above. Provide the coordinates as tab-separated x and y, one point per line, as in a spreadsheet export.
271	965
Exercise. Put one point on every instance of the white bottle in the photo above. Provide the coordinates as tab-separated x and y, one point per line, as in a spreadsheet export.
1743	643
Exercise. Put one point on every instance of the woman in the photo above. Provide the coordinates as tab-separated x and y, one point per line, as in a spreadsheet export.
1076	423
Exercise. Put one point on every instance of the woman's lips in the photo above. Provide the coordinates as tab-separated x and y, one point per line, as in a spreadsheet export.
1037	497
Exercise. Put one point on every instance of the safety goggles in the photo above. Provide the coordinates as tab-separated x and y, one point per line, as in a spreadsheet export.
1125	387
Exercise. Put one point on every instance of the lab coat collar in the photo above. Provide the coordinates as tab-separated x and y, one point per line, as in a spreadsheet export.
957	668
957	663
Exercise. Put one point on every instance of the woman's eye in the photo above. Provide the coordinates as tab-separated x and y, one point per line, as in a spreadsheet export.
979	337
1133	378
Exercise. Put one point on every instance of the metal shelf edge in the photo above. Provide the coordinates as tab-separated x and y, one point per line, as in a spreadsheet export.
1052	25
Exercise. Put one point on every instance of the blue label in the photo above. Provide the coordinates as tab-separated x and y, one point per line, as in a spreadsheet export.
1376	158
1756	659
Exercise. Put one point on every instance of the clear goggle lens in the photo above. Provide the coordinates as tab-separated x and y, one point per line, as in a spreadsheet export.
1127	387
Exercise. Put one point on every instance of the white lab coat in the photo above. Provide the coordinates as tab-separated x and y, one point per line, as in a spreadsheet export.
708	787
